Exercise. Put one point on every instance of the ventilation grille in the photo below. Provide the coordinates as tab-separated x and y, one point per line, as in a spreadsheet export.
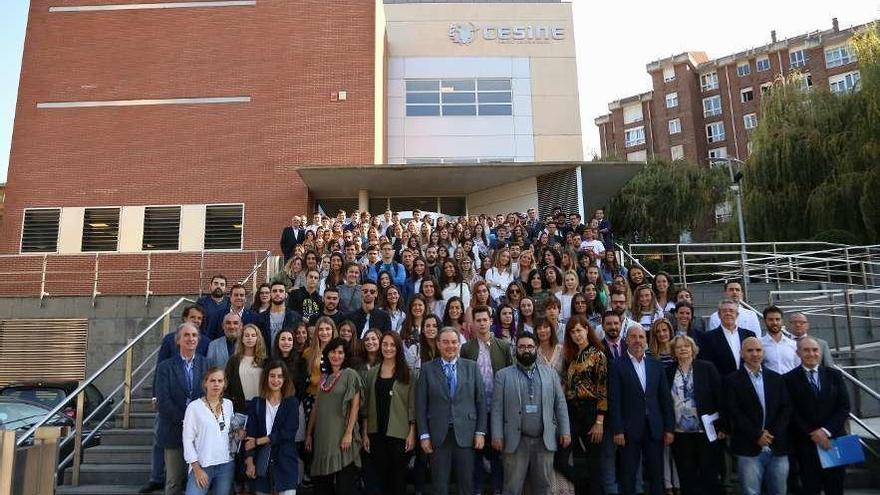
39	231
24	358
558	189
223	226
100	229
161	228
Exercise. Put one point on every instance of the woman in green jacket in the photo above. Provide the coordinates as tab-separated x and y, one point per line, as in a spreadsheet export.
389	430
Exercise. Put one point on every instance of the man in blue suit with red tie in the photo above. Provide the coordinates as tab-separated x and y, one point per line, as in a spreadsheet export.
642	418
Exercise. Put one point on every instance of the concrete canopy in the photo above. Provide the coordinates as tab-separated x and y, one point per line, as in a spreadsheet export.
601	179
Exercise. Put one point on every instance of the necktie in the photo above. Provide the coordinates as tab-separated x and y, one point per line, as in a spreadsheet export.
615	351
366	326
813	382
449	368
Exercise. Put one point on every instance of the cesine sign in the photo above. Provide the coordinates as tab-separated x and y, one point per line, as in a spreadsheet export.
466	32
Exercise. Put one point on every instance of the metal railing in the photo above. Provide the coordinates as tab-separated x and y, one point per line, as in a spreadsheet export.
775	262
860	386
146	273
127	386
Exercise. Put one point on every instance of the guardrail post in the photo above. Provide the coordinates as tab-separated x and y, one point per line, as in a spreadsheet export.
78	436
95	292
7	460
166	322
834	321
848	270
201	272
126	407
867	300
149	276
43	292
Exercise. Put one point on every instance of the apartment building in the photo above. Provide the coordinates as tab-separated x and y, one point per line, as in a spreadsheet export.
701	108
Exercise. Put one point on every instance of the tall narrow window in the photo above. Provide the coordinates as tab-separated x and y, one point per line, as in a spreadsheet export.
100	229
224	225
161	228
39	231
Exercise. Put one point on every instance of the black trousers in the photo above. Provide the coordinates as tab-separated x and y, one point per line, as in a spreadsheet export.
698	463
814	479
388	463
583	469
342	482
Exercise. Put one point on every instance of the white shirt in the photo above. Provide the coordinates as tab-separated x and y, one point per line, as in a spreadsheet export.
271	412
460	290
733	342
202	439
781	356
594	246
498	277
640	370
746	319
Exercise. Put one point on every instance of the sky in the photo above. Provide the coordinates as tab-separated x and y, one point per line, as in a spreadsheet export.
615	40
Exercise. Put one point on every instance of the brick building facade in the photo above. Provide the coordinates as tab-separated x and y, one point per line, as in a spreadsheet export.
702	108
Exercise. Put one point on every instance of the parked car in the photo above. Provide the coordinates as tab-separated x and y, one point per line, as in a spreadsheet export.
20	415
50	394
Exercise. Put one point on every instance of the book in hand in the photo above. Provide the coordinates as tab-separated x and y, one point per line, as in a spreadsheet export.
844	451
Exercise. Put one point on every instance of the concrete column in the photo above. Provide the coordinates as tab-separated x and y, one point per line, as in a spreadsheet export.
363	200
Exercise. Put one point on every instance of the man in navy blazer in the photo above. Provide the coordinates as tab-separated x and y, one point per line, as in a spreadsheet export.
722	345
642	418
178	382
292	235
820	408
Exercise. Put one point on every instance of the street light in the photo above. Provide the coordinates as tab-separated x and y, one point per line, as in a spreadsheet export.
735	179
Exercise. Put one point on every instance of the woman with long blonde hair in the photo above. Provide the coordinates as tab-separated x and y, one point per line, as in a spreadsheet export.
245	366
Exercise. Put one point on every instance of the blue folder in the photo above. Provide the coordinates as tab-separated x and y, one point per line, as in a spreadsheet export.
844	451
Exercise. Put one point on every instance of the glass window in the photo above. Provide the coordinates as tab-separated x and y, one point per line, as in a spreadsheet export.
408	204
671	100
718	152
100	229
712	106
453	206
668	73
674	126
762	64
709	81
454	97
743	70
39	231
715	132
634	136
746	95
844	82
677	152
798	58
839	55
750	121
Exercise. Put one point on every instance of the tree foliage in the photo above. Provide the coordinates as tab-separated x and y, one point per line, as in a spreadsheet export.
815	165
665	199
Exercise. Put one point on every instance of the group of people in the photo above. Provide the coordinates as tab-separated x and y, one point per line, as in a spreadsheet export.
513	354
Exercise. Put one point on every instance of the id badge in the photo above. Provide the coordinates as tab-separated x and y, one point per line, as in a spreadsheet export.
531	408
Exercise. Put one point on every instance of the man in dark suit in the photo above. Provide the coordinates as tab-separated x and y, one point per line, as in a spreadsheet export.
642	418
369	315
614	346
178	382
451	414
722	345
491	355
292	236
820	409
279	316
759	410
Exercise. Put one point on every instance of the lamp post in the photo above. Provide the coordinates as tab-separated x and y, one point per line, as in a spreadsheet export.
736	187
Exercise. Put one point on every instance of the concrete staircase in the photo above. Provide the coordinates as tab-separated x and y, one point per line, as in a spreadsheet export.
121	464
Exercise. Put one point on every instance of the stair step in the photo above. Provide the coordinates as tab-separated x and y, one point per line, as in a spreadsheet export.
138	419
119	454
107	474
134	436
141	404
99	490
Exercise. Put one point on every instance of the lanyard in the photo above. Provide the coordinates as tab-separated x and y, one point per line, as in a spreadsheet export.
530	376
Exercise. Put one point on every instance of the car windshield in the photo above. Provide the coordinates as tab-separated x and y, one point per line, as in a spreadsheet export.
18	415
47	396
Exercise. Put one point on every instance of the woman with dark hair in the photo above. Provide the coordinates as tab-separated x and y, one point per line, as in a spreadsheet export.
480	296
262	298
451	284
504	326
334	441
553	280
549	348
349	333
610	267
336	275
514	293
664	291
526	318
301	339
284	350
594	308
428	340
413	284
433	298
453	316
549	257
371	355
636	276
389	429
537	290
644	306
592	277
271	442
391	304
586	391
383	282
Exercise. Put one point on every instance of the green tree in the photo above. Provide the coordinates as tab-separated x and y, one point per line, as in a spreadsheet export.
814	166
664	199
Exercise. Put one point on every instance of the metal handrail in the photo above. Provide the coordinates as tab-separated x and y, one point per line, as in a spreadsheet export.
855	381
632	258
255	269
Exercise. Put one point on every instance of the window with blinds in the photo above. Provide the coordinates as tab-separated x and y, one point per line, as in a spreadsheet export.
224	226
161	228
39	231
100	229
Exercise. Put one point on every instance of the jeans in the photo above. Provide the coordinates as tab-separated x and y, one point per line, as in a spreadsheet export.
220	479
764	470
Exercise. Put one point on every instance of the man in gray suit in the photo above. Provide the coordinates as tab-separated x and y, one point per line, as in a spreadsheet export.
221	348
529	414
799	328
451	414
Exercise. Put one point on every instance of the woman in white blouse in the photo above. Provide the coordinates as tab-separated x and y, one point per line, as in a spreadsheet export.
500	275
207	430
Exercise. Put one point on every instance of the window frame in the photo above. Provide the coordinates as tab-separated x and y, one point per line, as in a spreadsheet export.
441	90
744	91
639	142
712	112
743	69
750	118
672	156
845	56
709	81
854	76
758	63
677	126
722	136
85	223
144	228
205	228
798	58
673	99
57	231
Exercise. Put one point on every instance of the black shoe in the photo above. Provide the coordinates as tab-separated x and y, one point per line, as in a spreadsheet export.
151	487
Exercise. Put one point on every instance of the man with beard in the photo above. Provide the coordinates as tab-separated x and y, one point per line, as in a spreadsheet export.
279	315
350	289
780	352
216	305
221	348
431	266
369	315
331	307
306	301
529	417
238	305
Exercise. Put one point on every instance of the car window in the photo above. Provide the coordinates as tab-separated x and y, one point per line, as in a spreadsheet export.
16	415
47	396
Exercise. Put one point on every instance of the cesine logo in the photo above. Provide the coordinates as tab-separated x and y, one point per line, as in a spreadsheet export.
463	34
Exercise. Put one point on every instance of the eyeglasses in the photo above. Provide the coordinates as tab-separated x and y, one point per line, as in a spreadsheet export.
369	291
526	348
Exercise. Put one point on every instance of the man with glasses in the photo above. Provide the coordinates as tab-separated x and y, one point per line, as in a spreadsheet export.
529	418
369	315
387	264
